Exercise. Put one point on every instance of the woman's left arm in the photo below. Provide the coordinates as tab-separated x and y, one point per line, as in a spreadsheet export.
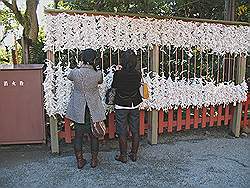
100	77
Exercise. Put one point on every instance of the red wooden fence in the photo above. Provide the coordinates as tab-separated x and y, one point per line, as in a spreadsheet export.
176	120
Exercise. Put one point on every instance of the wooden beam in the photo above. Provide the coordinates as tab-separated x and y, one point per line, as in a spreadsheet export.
52	120
240	75
153	129
54	135
106	14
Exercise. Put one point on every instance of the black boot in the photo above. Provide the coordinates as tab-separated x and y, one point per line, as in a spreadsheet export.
79	158
94	150
94	160
134	149
123	150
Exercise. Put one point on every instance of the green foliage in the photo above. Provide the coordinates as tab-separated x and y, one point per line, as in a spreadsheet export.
157	7
4	56
212	9
37	55
8	21
242	12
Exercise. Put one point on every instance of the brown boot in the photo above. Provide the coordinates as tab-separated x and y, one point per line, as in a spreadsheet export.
123	150
94	160
80	160
134	149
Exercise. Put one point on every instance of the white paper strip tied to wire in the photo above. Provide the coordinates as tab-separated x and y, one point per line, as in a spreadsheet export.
164	93
49	87
64	31
63	87
170	94
103	88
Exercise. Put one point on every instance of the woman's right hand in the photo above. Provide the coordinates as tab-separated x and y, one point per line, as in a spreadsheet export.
118	67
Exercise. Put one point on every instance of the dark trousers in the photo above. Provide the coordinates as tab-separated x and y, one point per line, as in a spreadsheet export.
80	129
127	117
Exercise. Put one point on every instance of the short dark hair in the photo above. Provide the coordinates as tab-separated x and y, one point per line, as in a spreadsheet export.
88	56
128	60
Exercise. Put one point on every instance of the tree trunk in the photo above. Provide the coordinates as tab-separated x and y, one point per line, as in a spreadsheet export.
29	22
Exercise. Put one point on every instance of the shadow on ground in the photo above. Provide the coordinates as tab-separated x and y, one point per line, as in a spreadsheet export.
195	158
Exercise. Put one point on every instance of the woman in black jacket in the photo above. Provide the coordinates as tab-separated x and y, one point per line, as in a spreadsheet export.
127	82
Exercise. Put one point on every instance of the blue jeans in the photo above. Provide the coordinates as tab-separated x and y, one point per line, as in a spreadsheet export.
126	117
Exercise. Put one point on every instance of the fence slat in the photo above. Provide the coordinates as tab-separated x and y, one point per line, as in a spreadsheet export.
188	118
245	124
204	118
161	121
67	130
111	123
142	122
211	123
179	119
226	115
219	115
170	120
196	118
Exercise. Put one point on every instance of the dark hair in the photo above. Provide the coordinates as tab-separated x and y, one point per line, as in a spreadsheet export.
128	60
88	56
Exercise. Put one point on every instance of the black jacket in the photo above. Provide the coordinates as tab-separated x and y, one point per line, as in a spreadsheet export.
127	86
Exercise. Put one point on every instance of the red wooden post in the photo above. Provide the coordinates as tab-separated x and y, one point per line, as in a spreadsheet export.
161	121
188	118
245	111
111	122
204	117
219	115
179	119
196	117
67	130
142	122
211	123
226	115
170	120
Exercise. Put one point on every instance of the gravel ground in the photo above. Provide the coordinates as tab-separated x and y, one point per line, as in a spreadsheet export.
204	159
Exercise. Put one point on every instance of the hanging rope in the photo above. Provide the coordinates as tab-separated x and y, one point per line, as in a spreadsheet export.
169	60
148	59
102	58
223	68
207	64
201	64
234	66
118	57
162	62
229	67
182	59
68	58
176	60
218	70
141	61
188	64
77	57
195	59
59	54
212	71
110	57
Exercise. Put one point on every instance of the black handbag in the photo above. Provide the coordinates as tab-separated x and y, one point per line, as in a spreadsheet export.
110	96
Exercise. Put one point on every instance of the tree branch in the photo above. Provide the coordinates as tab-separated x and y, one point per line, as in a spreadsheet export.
18	14
13	7
7	4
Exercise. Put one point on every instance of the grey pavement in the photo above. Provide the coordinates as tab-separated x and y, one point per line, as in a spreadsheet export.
203	159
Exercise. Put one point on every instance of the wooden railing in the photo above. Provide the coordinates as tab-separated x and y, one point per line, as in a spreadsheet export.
175	120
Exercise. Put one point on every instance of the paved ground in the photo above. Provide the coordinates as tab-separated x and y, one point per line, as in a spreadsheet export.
208	158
